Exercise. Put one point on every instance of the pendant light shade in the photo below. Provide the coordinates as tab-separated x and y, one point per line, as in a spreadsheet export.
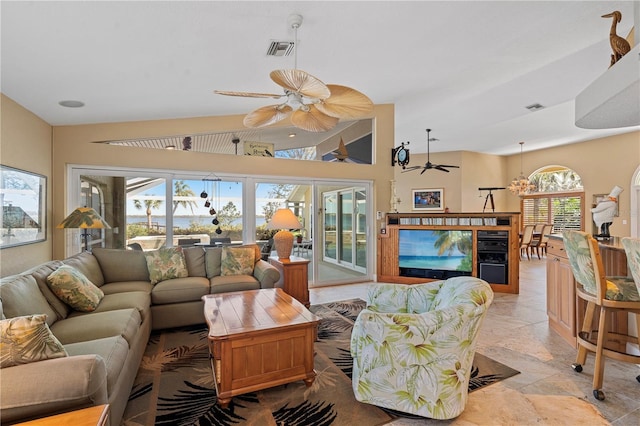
521	185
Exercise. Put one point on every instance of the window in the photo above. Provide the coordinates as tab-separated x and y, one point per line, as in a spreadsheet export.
563	211
559	200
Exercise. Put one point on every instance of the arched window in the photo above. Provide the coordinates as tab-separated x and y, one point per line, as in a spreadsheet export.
558	200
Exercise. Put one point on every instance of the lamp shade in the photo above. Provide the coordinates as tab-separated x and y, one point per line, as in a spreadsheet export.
283	219
85	218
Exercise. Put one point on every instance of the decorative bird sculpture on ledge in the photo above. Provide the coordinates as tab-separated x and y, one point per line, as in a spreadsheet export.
619	45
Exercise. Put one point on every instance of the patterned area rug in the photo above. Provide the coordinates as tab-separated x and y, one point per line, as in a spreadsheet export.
174	385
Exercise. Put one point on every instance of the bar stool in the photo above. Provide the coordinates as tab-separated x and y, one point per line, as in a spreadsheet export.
607	294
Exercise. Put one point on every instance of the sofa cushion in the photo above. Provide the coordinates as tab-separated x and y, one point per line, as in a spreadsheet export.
237	261
165	264
121	265
127	286
21	296
87	263
139	300
27	339
113	350
194	257
179	290
97	325
40	273
212	258
228	283
74	289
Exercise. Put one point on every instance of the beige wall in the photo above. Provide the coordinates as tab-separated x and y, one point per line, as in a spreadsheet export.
601	163
25	143
28	143
460	185
72	145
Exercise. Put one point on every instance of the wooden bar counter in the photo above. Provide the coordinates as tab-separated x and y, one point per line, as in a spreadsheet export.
564	310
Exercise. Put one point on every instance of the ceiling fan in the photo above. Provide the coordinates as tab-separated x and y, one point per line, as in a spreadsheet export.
429	165
312	105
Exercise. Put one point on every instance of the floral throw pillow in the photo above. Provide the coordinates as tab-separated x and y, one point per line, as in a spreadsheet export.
74	289
27	339
237	260
165	264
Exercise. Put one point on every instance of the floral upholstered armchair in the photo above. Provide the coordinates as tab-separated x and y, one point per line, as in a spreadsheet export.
413	346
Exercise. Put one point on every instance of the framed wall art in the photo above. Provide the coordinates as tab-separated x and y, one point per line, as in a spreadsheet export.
428	199
23	214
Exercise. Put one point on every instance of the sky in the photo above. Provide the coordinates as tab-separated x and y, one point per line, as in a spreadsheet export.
228	190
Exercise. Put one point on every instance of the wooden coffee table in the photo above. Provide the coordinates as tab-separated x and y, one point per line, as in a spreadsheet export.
258	339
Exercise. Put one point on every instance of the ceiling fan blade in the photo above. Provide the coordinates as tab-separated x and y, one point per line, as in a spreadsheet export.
301	82
441	168
313	120
267	115
345	102
410	169
248	94
445	165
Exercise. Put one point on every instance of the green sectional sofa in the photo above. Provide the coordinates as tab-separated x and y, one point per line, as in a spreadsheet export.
93	357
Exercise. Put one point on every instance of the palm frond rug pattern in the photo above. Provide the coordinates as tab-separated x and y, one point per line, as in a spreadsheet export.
175	386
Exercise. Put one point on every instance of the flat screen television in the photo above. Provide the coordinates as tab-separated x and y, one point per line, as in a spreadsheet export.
439	254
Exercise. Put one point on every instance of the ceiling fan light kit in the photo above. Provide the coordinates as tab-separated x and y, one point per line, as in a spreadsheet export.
311	104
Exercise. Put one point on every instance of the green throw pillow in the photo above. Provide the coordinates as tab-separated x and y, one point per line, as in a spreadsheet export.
74	289
27	339
237	260
165	264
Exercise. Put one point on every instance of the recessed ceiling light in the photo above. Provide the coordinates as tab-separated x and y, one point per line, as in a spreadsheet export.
292	135
71	104
170	147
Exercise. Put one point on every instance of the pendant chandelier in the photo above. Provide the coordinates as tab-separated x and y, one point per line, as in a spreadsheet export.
521	185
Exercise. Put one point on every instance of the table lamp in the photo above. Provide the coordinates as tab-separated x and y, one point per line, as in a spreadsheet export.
84	218
283	219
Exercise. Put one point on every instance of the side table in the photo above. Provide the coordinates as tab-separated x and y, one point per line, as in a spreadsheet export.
93	416
294	278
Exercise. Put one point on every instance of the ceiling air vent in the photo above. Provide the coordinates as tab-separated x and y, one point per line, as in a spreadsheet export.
280	48
534	107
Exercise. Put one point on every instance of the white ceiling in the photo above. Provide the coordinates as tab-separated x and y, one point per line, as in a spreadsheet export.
464	69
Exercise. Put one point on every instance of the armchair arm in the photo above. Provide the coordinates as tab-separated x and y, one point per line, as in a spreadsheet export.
267	274
52	386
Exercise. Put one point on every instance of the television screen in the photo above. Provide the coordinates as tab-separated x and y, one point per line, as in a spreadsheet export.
446	250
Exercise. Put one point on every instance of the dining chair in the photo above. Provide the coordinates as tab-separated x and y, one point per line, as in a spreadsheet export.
525	241
608	295
540	243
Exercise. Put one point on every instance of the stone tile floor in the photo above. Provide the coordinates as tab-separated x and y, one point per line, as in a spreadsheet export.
547	391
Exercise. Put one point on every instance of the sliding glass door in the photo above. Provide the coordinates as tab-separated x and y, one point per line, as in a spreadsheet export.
345	228
150	209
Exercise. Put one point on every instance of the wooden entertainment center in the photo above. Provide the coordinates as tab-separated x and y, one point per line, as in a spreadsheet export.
495	247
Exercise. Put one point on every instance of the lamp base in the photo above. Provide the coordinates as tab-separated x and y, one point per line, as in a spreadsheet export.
283	241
